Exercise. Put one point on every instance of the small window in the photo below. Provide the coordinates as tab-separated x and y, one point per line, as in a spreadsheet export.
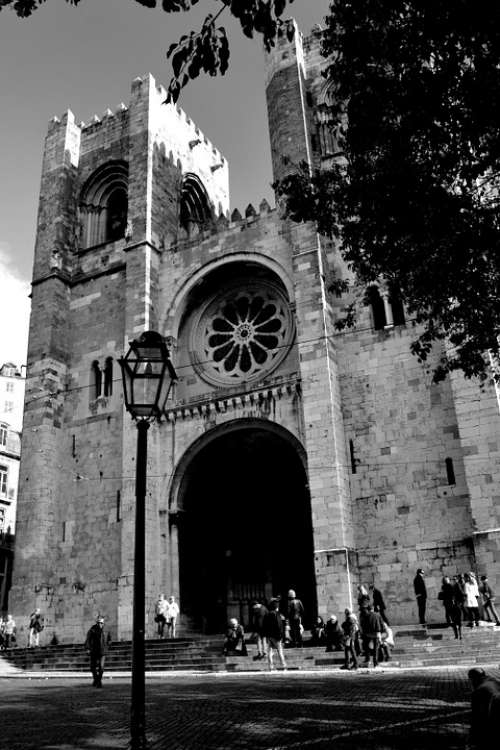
377	304
398	311
4	474
118	505
2	521
96	383
3	434
8	407
353	457
450	471
9	387
108	377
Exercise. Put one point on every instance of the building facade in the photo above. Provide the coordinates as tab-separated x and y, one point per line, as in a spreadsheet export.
291	455
11	420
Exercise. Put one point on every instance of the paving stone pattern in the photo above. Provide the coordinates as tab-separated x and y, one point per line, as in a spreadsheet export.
419	709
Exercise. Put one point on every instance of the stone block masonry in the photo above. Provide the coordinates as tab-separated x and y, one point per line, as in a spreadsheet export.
376	470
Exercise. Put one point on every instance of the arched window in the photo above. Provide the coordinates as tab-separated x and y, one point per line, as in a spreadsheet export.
103	205
195	211
96	380
398	311
378	308
108	376
116	215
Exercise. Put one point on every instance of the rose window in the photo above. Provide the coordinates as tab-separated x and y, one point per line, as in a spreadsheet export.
242	334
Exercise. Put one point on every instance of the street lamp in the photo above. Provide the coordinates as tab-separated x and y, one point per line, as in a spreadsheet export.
148	375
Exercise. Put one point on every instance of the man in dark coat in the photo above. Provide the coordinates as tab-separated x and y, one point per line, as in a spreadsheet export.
421	594
259	611
333	634
273	628
96	643
372	627
378	602
485	704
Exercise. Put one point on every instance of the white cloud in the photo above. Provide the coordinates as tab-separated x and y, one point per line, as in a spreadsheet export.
14	310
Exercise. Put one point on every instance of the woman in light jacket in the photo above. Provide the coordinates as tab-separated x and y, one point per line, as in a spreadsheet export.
471	599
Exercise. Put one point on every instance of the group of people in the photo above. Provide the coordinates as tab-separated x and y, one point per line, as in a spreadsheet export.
271	630
166	614
463	598
8	630
369	634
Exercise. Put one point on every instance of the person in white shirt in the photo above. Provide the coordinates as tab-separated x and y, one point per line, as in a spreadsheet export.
171	615
471	599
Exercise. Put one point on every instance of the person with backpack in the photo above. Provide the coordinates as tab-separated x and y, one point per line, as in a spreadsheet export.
351	633
35	628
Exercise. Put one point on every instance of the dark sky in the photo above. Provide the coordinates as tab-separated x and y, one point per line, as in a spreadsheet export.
84	59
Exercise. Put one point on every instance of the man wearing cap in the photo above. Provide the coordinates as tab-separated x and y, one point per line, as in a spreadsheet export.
421	594
96	643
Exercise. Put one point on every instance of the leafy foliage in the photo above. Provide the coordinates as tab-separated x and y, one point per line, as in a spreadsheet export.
413	196
24	8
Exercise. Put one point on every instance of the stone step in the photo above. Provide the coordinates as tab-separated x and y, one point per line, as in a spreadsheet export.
436	646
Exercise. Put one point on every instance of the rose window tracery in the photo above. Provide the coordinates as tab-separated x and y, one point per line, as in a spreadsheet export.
243	333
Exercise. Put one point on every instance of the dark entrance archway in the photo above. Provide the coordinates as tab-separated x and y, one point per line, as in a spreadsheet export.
245	528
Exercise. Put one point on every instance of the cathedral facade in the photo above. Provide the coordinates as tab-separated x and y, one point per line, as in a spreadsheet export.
291	455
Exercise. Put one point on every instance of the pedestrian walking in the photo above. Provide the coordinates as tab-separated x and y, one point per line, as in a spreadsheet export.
35	628
378	602
420	594
9	632
459	584
488	600
274	630
259	611
472	599
97	643
351	633
372	627
447	596
333	634
160	614
172	612
295	615
485	705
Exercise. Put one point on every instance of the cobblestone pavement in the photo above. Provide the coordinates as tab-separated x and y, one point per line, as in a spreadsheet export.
315	711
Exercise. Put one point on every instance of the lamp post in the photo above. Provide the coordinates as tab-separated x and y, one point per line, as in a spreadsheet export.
148	375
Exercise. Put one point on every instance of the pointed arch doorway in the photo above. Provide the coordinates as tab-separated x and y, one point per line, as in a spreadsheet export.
244	523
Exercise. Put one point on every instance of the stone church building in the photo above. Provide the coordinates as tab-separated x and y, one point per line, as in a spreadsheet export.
291	455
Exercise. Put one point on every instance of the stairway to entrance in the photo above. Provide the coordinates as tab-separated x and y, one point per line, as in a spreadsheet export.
414	647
